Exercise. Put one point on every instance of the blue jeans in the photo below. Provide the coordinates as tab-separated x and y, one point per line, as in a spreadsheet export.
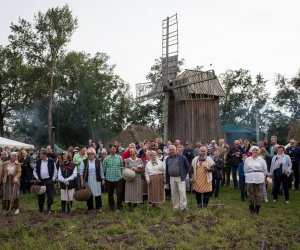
242	188
78	181
234	176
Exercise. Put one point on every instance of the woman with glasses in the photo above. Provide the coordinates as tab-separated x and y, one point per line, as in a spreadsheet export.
92	176
255	169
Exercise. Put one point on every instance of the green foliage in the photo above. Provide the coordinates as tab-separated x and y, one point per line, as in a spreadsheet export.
78	94
244	99
15	86
247	100
288	95
42	44
91	97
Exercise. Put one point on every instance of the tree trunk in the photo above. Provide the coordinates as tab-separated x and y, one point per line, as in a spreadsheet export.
1	124
50	104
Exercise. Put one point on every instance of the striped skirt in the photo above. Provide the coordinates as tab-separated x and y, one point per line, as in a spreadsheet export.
133	190
67	195
10	194
94	185
156	191
200	184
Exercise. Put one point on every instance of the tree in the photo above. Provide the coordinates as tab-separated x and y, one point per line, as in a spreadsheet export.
244	100
278	124
42	44
91	101
15	89
287	97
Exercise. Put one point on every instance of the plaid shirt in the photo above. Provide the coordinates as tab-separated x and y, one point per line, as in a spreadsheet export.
112	166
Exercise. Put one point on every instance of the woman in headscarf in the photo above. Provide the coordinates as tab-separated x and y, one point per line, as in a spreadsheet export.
133	189
202	167
10	177
67	174
255	169
154	173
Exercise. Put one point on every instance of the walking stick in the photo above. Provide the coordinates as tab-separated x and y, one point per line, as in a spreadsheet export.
68	201
13	195
191	189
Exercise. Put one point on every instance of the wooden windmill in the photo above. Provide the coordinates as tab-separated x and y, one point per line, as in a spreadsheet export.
190	100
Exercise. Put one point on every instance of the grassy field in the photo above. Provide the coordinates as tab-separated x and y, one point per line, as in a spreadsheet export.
230	227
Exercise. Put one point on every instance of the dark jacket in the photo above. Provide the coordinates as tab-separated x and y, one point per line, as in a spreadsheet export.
98	166
66	172
217	168
27	171
189	153
184	167
234	159
50	168
294	154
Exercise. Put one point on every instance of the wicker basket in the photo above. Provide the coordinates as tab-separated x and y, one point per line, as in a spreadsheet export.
82	194
37	190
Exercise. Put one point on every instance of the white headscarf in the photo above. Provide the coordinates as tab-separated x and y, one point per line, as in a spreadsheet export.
253	147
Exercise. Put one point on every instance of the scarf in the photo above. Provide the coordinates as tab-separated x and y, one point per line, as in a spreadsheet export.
154	162
67	166
278	161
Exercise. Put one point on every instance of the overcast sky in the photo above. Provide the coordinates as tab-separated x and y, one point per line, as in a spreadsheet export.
258	35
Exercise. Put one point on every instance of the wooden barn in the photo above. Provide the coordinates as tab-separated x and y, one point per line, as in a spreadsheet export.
193	112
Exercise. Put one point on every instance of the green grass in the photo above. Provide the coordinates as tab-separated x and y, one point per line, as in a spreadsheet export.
231	227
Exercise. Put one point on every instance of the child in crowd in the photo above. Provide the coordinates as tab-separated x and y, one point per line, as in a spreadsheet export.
242	180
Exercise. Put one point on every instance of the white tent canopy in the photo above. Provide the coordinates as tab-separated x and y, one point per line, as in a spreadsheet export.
4	142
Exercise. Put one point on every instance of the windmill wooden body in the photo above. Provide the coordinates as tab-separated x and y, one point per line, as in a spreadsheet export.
190	100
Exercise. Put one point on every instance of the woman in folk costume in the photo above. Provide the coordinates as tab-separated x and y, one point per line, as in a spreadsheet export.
67	174
133	189
255	168
92	176
202	167
10	177
154	173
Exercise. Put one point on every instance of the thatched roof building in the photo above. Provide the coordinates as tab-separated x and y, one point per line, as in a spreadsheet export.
135	133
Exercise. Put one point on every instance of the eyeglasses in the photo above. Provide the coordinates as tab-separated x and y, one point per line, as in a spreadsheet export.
90	153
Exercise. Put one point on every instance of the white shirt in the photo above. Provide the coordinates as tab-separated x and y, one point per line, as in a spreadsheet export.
11	168
45	171
255	170
154	169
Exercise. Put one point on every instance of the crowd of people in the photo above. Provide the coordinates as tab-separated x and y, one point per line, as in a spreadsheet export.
150	172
